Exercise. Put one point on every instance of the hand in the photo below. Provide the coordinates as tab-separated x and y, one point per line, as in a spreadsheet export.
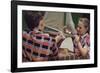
76	38
63	53
77	52
59	37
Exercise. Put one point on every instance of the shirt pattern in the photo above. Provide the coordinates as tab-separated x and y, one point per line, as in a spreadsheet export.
85	42
38	46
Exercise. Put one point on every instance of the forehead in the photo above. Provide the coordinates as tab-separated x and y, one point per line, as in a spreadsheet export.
82	21
80	24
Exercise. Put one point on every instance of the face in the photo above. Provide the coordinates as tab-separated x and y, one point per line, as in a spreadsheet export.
41	25
81	29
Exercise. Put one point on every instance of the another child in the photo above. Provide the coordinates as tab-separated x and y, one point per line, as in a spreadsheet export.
82	39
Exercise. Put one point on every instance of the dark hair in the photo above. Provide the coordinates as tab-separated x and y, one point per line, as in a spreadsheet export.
32	18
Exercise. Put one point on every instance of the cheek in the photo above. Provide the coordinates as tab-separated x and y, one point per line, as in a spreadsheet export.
84	30
41	25
78	30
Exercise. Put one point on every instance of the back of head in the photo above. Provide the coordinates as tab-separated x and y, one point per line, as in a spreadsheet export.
32	18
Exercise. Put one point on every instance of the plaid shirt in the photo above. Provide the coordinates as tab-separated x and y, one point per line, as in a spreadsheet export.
38	46
85	42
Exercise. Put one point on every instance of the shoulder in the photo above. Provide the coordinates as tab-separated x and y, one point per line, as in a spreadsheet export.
87	39
25	35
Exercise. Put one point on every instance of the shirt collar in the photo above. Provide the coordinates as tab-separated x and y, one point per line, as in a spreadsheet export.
40	32
83	36
37	31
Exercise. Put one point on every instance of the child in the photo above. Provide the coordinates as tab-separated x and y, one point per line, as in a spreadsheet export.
82	39
37	46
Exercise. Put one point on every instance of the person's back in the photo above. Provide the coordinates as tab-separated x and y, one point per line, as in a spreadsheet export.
38	46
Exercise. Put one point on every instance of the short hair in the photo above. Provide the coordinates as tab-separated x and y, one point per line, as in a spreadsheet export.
32	18
86	21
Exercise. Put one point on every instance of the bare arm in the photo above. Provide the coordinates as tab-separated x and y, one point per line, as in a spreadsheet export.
83	50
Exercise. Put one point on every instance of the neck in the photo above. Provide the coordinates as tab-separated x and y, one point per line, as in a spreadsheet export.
37	30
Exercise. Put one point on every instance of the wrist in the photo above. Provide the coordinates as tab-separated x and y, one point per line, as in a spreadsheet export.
79	45
77	41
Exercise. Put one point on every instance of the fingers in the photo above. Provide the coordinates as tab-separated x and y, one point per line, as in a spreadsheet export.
61	35
76	38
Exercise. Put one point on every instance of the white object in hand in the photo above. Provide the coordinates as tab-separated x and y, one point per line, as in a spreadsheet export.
68	44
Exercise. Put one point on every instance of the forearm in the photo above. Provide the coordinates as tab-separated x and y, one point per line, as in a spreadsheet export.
83	51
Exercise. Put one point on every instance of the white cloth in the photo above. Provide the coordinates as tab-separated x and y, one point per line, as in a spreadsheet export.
68	44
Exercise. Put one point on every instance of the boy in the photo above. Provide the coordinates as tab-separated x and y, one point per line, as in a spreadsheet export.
37	46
